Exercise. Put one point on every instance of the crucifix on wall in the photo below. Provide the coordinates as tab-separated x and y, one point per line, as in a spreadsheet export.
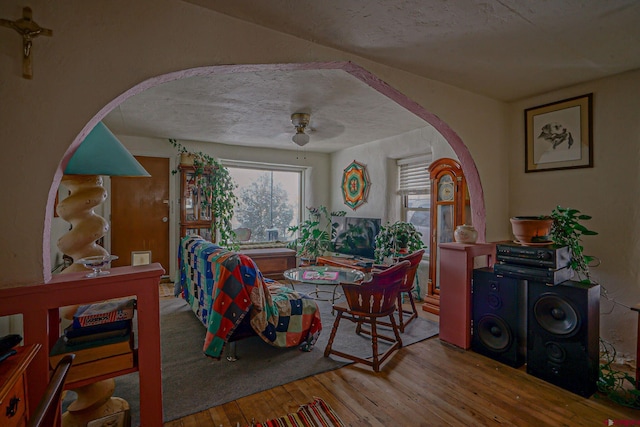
29	30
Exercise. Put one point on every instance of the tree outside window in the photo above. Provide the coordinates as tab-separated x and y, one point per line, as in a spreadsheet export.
269	202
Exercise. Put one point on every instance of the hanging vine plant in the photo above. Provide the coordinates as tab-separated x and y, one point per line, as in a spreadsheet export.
217	188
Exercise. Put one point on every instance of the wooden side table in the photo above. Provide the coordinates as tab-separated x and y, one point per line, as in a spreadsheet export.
456	271
14	402
272	262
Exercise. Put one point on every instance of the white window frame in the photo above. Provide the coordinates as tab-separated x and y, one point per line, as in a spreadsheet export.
301	170
413	178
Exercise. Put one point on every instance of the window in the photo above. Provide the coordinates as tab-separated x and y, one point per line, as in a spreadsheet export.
269	200
414	188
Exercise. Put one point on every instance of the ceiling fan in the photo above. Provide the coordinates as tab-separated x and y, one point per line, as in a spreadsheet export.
300	121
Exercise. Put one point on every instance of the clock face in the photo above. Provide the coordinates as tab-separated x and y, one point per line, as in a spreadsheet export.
445	191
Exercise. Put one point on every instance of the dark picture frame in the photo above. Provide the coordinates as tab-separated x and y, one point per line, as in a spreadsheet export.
559	135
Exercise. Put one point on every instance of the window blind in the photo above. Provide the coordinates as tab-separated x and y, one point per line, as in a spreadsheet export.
414	175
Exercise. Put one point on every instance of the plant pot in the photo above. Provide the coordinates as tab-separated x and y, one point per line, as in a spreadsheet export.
465	234
532	229
186	159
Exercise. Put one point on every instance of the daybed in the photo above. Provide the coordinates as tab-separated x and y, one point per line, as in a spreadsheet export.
223	286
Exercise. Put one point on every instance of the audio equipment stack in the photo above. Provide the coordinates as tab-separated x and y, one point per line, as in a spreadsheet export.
549	264
526	309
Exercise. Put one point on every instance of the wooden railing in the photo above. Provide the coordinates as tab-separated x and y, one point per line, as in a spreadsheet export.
39	305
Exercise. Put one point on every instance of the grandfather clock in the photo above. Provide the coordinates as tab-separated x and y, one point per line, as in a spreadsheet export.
450	207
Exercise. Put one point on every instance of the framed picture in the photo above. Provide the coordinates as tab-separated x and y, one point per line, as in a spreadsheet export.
559	135
140	258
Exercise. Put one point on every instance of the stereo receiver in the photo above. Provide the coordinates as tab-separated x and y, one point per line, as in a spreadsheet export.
535	274
549	256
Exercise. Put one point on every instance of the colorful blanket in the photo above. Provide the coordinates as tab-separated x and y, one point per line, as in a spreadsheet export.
223	286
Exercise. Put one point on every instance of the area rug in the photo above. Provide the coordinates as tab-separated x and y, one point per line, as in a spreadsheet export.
192	382
316	414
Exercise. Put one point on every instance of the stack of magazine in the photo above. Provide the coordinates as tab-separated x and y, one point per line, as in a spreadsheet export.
101	337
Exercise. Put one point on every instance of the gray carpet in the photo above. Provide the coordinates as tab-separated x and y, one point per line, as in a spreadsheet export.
192	382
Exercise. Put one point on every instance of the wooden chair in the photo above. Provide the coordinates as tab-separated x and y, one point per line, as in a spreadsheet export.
407	287
414	258
366	303
47	414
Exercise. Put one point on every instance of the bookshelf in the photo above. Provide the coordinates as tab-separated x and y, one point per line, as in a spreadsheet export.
39	305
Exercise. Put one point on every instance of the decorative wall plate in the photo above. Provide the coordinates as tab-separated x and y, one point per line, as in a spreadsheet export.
355	185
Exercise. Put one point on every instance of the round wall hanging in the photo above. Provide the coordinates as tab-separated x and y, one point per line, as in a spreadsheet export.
355	185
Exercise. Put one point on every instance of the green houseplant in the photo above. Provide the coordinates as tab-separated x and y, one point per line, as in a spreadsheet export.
217	189
397	238
314	234
567	230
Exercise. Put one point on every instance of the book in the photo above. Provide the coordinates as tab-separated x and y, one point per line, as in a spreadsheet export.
320	275
97	336
104	312
74	332
91	350
98	367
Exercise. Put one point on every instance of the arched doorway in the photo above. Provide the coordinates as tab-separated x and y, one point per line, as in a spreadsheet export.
463	154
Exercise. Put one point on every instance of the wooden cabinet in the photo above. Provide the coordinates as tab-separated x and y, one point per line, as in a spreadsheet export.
14	404
194	217
272	262
450	207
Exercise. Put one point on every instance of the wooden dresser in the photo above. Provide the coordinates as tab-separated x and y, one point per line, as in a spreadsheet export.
14	407
272	262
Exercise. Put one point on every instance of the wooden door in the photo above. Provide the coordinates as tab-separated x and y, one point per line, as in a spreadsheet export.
140	213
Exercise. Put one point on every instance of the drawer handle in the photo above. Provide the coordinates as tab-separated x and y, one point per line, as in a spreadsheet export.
12	409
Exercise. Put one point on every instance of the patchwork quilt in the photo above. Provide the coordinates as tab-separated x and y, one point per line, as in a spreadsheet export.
222	287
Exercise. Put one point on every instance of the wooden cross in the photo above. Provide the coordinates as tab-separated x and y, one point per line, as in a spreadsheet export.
29	30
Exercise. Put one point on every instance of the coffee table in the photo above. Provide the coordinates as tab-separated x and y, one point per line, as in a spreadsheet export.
324	275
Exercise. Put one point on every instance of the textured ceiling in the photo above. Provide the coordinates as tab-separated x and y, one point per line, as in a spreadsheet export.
504	49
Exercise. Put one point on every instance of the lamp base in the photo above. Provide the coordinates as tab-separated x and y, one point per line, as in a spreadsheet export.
94	401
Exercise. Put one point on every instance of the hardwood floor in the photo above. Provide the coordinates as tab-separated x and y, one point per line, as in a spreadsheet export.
429	383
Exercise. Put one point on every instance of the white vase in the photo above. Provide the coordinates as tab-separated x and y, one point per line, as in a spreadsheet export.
465	234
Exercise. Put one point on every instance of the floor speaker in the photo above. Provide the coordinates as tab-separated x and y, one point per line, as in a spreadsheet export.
499	317
563	334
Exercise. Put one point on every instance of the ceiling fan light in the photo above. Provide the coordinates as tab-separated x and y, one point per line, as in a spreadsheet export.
300	138
300	121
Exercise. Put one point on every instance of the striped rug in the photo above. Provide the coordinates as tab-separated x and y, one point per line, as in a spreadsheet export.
316	414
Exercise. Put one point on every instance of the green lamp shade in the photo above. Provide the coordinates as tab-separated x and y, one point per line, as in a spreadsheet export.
102	154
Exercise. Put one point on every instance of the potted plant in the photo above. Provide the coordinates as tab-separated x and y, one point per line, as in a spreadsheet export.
217	188
397	238
314	234
567	230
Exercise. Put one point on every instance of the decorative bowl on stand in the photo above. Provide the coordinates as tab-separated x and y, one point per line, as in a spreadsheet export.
96	263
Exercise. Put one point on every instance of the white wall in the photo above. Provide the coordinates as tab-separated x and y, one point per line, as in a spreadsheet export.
608	192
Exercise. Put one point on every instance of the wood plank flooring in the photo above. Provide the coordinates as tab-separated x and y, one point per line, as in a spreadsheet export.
429	383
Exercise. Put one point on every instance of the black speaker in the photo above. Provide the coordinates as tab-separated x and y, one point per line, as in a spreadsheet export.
499	317
563	334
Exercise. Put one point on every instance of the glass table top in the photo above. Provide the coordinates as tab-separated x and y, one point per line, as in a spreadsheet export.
321	275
